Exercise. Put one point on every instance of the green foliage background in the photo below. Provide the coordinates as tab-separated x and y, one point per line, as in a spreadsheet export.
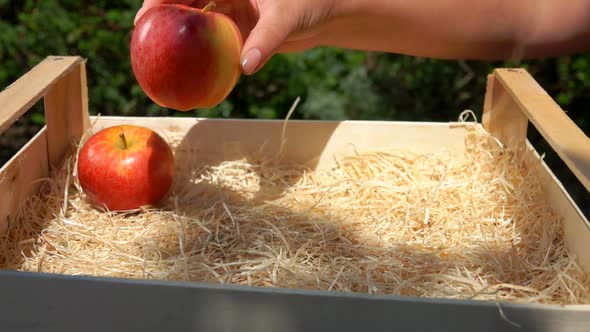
333	83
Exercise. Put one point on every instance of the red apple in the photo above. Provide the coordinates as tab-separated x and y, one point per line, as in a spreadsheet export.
186	58
125	167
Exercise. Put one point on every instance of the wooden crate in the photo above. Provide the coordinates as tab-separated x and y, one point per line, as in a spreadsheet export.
38	301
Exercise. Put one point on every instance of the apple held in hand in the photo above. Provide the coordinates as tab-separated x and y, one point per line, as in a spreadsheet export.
125	167
186	58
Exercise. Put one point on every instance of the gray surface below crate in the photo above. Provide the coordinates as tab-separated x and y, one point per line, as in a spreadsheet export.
48	302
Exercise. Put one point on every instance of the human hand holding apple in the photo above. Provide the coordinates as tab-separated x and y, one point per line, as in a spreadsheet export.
125	167
185	57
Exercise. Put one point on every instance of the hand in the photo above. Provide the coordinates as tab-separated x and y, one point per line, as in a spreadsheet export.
447	29
267	26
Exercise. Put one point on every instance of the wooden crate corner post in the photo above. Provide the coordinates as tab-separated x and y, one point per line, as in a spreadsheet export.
66	113
502	117
514	99
61	82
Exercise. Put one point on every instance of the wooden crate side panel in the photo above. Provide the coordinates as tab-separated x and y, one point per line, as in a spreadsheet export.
513	98
62	81
575	225
19	177
315	143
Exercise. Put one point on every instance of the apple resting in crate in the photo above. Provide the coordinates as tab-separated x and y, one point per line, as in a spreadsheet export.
184	57
125	167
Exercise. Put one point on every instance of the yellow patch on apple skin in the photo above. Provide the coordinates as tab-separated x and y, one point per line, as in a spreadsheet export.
133	135
228	67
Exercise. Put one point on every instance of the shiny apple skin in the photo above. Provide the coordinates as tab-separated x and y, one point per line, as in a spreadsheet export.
119	179
185	59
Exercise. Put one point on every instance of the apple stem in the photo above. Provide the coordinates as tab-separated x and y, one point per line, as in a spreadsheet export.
209	6
122	135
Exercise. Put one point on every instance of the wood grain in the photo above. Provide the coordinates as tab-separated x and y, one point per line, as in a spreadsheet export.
20	96
66	114
513	100
314	143
19	177
503	118
575	225
562	134
62	82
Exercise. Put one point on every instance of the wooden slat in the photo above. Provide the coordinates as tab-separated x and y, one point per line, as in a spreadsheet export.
66	114
20	96
18	177
502	117
562	134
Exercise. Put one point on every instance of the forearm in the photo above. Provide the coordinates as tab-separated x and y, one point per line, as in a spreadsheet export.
485	29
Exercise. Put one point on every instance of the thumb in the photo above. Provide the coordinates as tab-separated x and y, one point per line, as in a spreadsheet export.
271	30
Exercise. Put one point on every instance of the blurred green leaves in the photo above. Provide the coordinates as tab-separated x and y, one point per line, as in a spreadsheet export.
333	83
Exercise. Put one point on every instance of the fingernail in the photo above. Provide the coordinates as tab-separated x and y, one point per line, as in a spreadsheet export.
251	60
